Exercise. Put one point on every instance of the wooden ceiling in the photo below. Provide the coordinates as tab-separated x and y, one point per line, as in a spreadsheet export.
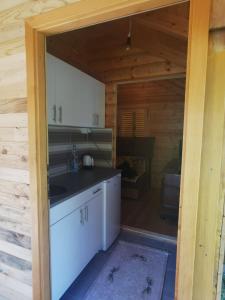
158	46
156	91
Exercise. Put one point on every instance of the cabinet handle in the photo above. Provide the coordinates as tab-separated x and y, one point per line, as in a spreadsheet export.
86	213
60	114
54	113
81	217
98	190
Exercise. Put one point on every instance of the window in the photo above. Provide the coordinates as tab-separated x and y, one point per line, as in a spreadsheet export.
132	123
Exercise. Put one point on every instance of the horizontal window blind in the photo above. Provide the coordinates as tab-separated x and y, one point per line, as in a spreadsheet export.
140	121
132	123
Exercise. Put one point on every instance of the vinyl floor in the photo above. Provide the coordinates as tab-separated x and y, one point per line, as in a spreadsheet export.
78	289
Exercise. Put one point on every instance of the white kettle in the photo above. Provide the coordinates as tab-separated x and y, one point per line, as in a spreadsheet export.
88	161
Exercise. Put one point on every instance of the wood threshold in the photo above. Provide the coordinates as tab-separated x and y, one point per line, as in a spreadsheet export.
150	234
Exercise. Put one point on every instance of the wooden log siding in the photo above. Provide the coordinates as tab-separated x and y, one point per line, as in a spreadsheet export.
15	201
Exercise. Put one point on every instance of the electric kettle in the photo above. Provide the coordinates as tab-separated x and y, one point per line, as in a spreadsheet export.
88	161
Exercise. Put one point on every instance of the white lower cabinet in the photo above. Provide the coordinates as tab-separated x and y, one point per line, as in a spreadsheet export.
75	239
66	236
92	229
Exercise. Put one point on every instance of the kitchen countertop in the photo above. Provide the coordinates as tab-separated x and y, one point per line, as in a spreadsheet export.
76	183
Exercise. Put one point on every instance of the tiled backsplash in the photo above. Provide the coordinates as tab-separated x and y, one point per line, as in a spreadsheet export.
96	142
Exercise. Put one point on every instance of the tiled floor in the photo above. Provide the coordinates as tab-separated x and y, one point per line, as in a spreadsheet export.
83	282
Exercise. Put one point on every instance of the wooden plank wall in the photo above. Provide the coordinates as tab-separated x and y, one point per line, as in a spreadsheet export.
111	115
164	102
212	184
15	201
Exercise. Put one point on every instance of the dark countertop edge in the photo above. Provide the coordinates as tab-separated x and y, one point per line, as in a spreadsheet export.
114	172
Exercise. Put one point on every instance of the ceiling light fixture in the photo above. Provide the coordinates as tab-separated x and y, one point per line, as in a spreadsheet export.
128	43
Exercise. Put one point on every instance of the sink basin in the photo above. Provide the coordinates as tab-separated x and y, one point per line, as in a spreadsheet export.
56	190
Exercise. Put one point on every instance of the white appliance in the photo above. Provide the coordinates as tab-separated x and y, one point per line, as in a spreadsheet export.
111	210
88	161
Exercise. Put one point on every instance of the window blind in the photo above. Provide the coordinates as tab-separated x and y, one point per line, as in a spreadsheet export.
132	123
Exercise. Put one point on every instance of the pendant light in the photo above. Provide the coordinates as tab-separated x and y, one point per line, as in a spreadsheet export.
128	42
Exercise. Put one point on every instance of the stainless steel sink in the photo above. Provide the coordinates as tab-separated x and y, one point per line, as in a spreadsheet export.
56	190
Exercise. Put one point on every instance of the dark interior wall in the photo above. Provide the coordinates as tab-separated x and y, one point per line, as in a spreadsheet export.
163	105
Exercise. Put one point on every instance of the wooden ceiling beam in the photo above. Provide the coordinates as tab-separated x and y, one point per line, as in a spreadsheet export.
114	53
152	70
128	60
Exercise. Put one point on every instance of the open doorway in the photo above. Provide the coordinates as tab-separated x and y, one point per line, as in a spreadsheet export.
38	40
115	99
149	150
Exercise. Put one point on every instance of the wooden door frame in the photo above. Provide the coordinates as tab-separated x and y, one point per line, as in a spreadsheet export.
83	14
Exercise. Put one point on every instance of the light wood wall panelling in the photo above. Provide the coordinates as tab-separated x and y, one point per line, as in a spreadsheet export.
14	188
35	47
12	15
14	154
16	175
192	152
218	44
217	20
212	184
111	115
152	70
13	77
164	102
16	105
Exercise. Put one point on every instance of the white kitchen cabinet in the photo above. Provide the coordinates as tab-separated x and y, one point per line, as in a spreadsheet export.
75	238
92	229
74	98
66	238
111	210
50	88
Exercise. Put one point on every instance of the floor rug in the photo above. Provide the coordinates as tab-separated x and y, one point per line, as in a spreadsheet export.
132	272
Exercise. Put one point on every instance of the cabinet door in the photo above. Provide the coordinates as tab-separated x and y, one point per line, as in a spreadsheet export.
67	94
93	227
79	97
98	105
50	88
65	243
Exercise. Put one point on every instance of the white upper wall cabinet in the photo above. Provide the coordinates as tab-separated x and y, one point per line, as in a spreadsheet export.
74	98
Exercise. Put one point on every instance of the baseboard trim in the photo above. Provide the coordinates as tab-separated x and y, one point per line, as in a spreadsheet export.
149	234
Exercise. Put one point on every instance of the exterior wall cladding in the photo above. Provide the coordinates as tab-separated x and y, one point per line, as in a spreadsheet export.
15	198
